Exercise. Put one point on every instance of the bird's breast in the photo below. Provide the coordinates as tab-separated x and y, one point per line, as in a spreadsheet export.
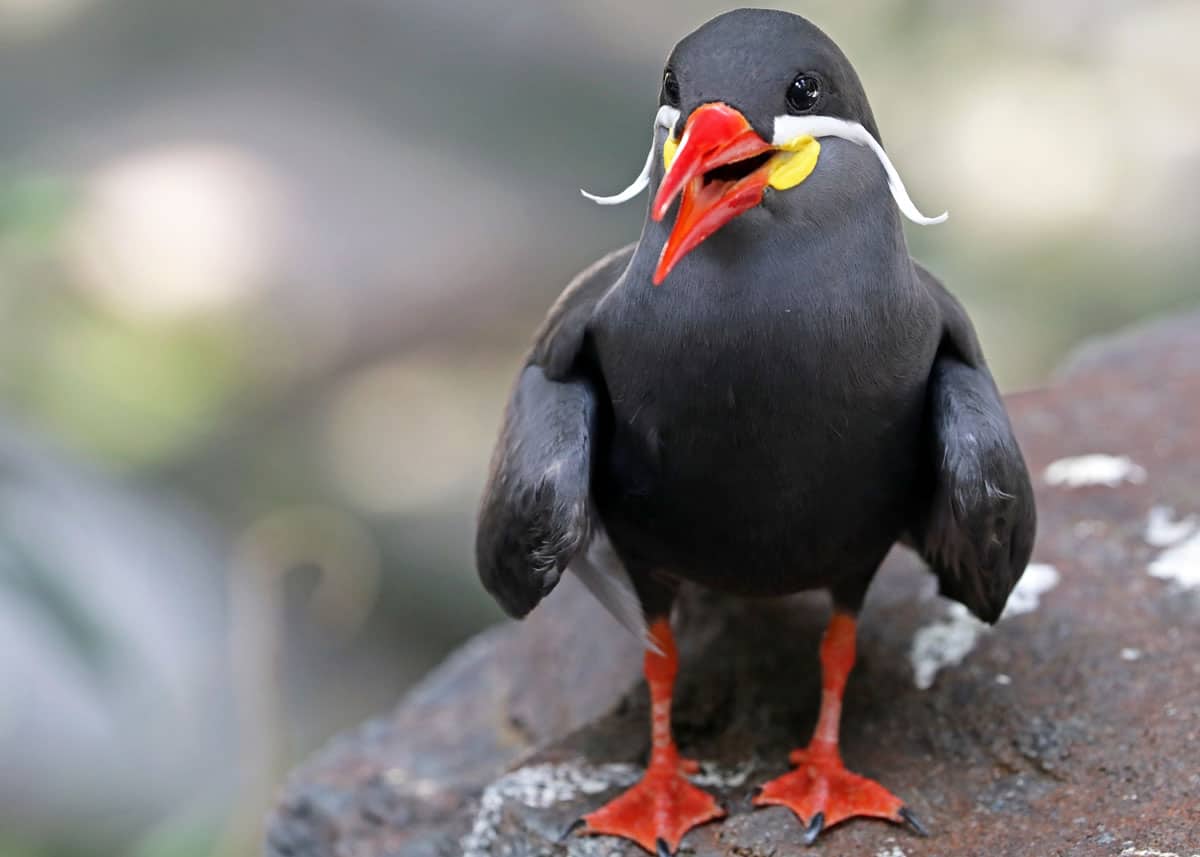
748	428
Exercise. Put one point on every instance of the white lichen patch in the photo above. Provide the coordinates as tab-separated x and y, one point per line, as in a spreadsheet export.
1038	579
944	643
1163	530
1179	564
1095	469
1151	852
1131	655
948	641
891	851
1180	560
712	776
538	787
543	786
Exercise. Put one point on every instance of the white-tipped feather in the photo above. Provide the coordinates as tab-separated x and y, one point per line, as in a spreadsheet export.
601	571
665	118
789	128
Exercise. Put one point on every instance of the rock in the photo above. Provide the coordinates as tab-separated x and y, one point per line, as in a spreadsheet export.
1071	728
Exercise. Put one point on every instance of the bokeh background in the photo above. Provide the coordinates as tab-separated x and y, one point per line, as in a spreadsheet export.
267	268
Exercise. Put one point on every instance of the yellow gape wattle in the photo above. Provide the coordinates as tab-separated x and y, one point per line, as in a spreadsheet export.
670	146
795	162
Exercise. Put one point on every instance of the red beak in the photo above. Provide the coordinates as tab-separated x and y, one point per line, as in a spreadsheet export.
716	135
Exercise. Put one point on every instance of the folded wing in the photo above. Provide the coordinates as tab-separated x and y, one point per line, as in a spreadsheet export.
536	516
977	529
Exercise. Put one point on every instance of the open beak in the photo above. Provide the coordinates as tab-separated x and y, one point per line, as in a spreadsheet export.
721	167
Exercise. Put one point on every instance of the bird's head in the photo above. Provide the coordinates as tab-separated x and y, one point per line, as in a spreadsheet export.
745	101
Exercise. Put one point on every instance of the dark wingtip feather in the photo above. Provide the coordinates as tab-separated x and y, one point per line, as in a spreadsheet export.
978	530
535	514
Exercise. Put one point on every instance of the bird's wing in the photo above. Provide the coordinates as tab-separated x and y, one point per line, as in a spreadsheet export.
536	516
976	530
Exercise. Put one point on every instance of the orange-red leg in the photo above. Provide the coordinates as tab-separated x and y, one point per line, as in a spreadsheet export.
663	806
820	790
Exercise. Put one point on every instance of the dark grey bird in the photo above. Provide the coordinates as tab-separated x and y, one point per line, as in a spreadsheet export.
795	397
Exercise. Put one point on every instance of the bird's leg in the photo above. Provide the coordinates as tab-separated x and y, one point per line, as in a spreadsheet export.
663	806
820	790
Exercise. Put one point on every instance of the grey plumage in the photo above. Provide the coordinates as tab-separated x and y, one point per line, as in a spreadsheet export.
536	513
796	397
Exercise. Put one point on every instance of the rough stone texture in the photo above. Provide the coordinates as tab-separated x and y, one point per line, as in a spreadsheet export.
1071	729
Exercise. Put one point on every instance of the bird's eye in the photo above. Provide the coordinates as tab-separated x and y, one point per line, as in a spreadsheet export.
804	93
670	88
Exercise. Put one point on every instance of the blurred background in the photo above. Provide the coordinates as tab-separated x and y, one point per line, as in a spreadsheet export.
267	269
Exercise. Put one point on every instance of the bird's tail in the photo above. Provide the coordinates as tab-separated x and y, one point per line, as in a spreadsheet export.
602	572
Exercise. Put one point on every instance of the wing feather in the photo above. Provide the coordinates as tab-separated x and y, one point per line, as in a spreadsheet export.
536	516
977	528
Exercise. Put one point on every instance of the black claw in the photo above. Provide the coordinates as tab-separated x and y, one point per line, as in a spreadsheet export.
912	821
814	828
660	845
571	828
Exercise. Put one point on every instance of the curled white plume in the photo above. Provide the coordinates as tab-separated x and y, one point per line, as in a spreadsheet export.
666	117
790	128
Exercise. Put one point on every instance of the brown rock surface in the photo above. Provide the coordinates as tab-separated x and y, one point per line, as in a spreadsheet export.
1070	729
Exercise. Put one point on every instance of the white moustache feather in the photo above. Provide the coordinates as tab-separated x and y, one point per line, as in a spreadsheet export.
791	128
788	129
665	118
